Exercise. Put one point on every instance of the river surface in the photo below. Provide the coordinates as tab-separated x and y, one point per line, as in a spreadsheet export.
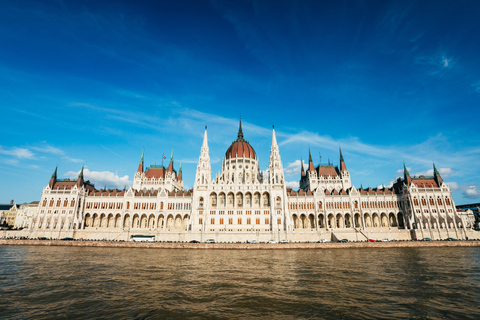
123	283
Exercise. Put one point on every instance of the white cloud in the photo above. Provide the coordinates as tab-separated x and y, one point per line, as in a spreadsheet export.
453	186
73	159
20	153
46	148
293	184
444	172
102	178
49	149
388	185
471	191
293	168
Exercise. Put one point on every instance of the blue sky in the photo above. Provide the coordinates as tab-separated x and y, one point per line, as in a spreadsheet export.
94	82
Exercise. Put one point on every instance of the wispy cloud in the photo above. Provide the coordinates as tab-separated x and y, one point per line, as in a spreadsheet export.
293	184
471	191
46	148
102	178
476	86
444	172
436	64
20	153
294	168
114	153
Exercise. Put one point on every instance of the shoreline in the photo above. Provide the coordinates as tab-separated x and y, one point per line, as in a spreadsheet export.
241	246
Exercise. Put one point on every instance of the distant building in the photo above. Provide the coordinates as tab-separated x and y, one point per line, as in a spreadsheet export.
8	213
475	208
25	214
242	203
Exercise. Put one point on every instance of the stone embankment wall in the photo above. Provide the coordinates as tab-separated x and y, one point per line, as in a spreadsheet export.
241	246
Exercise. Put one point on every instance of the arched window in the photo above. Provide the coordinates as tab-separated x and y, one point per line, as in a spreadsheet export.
200	202
277	202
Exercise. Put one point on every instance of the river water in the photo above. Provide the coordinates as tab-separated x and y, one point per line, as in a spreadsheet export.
87	283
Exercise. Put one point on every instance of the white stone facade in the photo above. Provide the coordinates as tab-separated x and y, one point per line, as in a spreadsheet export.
242	203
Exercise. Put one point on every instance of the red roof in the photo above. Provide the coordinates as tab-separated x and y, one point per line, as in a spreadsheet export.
425	183
155	172
240	149
326	171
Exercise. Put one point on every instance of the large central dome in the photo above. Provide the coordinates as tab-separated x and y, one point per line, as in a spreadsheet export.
240	148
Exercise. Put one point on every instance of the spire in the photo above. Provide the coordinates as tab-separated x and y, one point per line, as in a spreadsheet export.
240	132
205	140
140	166
80	179
310	161
436	176
170	165
53	179
343	167
274	137
179	176
406	175
301	167
275	168
203	175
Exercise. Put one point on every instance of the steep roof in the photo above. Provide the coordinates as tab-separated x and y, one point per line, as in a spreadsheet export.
155	172
327	171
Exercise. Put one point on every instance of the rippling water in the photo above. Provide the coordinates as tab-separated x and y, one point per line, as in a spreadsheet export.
86	283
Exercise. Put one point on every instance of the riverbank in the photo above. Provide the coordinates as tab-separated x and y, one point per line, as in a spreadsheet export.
241	246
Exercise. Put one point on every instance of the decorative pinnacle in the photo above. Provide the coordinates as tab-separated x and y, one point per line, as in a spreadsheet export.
54	175
240	132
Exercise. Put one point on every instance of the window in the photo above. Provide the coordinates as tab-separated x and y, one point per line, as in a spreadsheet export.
267	220
279	221
212	221
249	221
221	220
200	220
230	220
258	221
239	221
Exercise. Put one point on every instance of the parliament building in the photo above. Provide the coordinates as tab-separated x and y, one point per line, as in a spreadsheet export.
243	203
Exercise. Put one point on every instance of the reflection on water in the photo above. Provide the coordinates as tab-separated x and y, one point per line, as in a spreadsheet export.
85	283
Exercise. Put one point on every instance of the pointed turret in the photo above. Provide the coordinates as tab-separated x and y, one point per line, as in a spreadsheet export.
203	175
436	176
140	166
406	175
275	168
310	161
179	176
343	167
301	168
170	165
80	179
53	179
274	138
240	132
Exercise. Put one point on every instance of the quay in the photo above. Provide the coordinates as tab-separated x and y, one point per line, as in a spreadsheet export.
241	246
